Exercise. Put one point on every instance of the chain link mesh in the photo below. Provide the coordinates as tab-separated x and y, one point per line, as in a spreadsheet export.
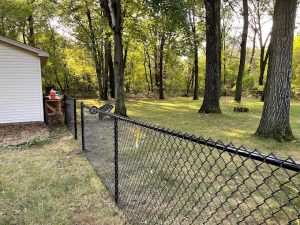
70	115
166	177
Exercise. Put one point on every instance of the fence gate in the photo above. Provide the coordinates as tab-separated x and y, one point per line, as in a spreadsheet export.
70	115
159	176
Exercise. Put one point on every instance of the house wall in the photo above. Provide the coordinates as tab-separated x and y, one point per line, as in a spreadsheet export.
20	86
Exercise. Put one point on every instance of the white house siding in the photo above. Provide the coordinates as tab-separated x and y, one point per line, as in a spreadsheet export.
20	86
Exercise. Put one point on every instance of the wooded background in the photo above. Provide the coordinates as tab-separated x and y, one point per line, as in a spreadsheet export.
110	48
160	39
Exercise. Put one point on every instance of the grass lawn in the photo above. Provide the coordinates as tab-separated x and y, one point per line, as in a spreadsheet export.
237	128
167	179
51	184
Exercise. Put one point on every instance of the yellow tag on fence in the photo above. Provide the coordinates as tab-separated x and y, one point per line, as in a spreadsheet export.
137	134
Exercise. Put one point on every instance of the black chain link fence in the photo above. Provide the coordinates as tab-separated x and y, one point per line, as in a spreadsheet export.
159	176
70	114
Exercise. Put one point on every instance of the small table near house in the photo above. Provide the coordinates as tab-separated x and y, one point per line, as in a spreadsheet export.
53	111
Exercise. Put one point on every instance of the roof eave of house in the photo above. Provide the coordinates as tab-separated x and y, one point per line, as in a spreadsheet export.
39	52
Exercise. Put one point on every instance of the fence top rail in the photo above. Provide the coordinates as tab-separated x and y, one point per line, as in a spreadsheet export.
67	97
271	159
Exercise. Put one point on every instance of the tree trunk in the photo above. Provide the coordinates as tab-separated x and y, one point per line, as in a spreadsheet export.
263	63
239	81
57	79
145	69
119	68
150	70
113	11
195	47
110	69
224	55
252	52
156	66
2	26
94	49
262	67
24	37
190	81
275	120
161	67
125	56
66	79
31	36
213	58
196	71
101	62
106	69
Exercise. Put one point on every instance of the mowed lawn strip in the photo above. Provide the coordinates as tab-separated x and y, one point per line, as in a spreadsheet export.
229	127
51	184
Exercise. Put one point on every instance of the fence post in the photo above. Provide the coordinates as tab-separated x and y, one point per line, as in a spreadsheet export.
65	108
75	119
44	108
82	125
116	161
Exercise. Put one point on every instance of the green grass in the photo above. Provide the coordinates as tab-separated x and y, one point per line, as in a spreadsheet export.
237	128
188	180
50	184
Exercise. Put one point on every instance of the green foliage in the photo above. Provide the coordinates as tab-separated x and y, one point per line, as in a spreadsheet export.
170	14
13	15
296	69
62	29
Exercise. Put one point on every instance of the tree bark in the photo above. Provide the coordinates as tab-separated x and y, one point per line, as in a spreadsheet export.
196	58
31	36
106	69
161	67
275	120
2	26
190	82
150	69
263	58
145	69
196	71
94	49
118	62
125	56
252	52
156	66
239	81
213	58
113	11
24	37
66	79
224	58
110	69
263	63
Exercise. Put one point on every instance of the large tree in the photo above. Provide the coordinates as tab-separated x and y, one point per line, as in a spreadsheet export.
195	8
90	28
275	120
239	81
113	11
213	58
261	11
97	54
168	16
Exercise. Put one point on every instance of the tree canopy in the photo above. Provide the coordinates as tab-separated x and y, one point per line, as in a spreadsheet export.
159	47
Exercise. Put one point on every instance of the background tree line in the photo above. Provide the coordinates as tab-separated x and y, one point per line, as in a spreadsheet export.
108	48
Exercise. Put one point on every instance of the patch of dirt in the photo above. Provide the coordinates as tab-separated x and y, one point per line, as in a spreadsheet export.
18	134
75	152
83	218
